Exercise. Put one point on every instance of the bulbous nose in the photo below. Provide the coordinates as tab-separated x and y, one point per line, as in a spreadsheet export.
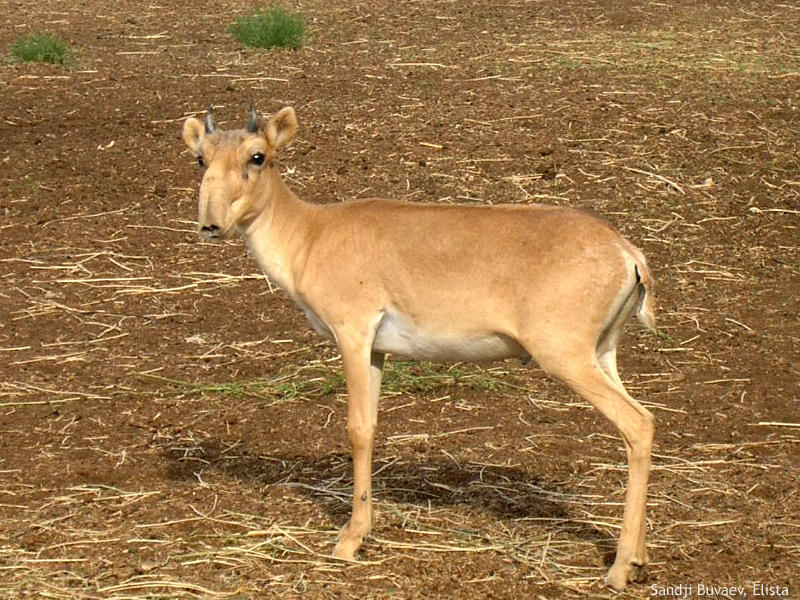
210	231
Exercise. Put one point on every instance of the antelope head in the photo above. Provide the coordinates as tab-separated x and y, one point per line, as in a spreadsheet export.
237	182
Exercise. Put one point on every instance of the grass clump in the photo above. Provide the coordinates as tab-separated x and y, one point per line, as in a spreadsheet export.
41	48
405	376
270	28
316	381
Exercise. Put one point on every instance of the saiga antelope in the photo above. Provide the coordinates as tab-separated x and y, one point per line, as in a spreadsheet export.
438	283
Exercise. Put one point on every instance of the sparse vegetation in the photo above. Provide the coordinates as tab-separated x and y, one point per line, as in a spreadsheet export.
40	47
405	376
400	377
270	28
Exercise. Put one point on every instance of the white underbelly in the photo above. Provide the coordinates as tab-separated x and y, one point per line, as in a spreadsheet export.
398	335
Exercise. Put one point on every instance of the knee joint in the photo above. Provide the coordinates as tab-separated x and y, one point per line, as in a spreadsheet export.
360	434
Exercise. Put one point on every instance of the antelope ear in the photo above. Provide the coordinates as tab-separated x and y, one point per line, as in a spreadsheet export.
193	134
281	128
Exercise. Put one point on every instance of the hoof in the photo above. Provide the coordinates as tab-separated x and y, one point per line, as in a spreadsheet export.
348	544
621	574
344	552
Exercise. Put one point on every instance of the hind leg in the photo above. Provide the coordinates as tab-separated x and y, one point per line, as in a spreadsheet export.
597	382
608	362
607	358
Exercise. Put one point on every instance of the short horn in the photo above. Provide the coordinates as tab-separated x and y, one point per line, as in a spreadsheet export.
211	125
252	122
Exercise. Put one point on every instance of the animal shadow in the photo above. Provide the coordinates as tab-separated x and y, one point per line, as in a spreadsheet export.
506	493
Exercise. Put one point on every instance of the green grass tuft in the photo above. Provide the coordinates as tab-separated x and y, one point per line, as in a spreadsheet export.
39	47
270	28
405	376
314	381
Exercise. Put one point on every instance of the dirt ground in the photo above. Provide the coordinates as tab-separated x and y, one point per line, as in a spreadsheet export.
171	428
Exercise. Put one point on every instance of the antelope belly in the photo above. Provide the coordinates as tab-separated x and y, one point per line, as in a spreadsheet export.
398	335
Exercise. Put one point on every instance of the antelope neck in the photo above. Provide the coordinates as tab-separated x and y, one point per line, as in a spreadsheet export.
279	234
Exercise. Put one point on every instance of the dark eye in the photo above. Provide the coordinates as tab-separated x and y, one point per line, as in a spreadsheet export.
257	159
200	161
